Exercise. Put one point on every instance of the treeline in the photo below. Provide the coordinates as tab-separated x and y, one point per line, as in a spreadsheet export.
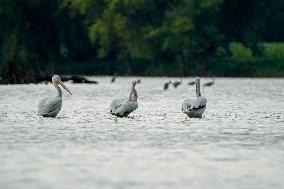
141	37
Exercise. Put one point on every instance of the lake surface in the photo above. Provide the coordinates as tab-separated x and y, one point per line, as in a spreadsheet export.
239	142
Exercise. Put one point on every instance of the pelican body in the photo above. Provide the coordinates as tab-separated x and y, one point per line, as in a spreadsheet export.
122	107
50	106
195	107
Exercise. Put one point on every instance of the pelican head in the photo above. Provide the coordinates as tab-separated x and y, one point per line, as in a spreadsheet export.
57	81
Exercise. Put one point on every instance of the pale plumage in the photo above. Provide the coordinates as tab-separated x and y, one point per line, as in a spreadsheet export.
195	107
50	106
122	107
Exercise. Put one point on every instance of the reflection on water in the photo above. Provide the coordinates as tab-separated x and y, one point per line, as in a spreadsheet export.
239	143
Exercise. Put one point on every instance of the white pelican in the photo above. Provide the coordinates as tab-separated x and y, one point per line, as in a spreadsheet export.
50	106
195	107
122	107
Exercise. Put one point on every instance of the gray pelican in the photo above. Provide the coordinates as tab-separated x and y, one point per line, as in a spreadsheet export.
50	106
122	107
209	83
196	106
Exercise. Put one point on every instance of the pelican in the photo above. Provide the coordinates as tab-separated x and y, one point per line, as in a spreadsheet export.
166	85
209	83
122	107
196	106
50	106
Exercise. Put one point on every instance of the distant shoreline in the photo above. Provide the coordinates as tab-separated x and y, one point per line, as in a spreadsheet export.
92	78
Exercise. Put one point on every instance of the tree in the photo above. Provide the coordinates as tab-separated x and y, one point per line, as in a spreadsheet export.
190	31
36	33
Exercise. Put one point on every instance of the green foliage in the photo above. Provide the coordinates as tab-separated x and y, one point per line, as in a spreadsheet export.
221	52
119	32
155	37
239	51
274	51
254	67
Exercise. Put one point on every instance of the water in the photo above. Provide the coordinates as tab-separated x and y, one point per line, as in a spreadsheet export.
239	143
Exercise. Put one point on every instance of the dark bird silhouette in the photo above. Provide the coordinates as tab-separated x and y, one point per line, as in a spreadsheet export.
113	79
166	85
209	83
191	83
138	81
176	83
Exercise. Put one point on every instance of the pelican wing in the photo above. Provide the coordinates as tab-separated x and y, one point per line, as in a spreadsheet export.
50	106
190	104
122	107
115	104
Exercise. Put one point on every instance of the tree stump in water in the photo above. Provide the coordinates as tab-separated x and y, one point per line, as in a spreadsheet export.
81	79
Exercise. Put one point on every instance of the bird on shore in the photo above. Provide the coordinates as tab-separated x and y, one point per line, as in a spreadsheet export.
122	107
208	84
195	107
50	106
166	85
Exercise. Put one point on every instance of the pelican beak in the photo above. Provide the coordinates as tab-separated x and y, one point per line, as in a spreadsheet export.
64	86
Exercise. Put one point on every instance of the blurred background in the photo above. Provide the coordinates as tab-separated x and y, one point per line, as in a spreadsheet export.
232	38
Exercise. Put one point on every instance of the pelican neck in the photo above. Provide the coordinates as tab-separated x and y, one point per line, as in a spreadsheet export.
197	88
133	94
58	89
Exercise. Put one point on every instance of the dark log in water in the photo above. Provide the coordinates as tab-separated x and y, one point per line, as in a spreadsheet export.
81	79
74	78
14	73
42	78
